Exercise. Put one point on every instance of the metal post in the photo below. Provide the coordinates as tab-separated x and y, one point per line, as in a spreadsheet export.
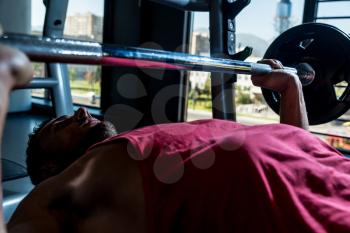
184	77
53	27
187	5
83	52
310	11
222	44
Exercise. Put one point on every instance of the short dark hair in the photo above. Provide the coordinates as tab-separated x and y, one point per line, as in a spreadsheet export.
41	164
37	161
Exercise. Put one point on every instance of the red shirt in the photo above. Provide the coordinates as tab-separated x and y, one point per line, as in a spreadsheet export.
220	176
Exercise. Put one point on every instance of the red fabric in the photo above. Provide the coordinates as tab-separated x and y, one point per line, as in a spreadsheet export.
219	176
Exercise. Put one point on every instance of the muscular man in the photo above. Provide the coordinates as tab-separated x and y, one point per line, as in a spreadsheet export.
57	143
205	176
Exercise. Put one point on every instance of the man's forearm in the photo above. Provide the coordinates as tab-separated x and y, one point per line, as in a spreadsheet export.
15	71
293	109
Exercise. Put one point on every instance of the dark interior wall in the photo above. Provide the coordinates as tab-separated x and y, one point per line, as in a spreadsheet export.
121	26
170	29
133	97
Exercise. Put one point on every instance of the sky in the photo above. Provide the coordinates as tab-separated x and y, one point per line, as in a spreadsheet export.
257	18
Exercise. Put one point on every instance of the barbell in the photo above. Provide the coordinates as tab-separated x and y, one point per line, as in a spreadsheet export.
307	37
83	52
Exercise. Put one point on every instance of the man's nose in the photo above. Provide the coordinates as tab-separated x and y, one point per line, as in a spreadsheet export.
81	113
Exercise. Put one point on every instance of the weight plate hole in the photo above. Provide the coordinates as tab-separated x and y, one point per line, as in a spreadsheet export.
340	89
57	22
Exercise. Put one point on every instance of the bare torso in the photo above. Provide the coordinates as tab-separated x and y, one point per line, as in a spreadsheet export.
101	192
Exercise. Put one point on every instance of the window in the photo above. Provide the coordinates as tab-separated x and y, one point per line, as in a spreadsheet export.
337	132
39	72
199	104
335	9
83	22
257	26
38	17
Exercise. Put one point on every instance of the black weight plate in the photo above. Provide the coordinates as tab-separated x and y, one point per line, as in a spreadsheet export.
327	50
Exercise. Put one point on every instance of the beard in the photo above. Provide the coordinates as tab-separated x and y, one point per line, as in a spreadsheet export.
96	134
101	132
60	161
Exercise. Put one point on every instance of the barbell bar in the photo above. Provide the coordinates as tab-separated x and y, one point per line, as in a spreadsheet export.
55	50
319	54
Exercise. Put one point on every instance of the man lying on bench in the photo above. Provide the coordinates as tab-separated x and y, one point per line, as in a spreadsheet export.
203	176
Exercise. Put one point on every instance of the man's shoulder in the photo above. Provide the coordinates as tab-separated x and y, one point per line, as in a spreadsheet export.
97	169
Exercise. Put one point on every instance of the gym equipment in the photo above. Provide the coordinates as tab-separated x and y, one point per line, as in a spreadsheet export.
319	54
327	50
81	52
188	5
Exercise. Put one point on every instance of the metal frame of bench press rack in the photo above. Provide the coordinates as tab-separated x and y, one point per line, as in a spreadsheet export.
55	18
187	5
222	14
58	80
311	11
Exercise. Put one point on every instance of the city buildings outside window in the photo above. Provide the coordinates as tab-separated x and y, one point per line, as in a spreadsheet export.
85	26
